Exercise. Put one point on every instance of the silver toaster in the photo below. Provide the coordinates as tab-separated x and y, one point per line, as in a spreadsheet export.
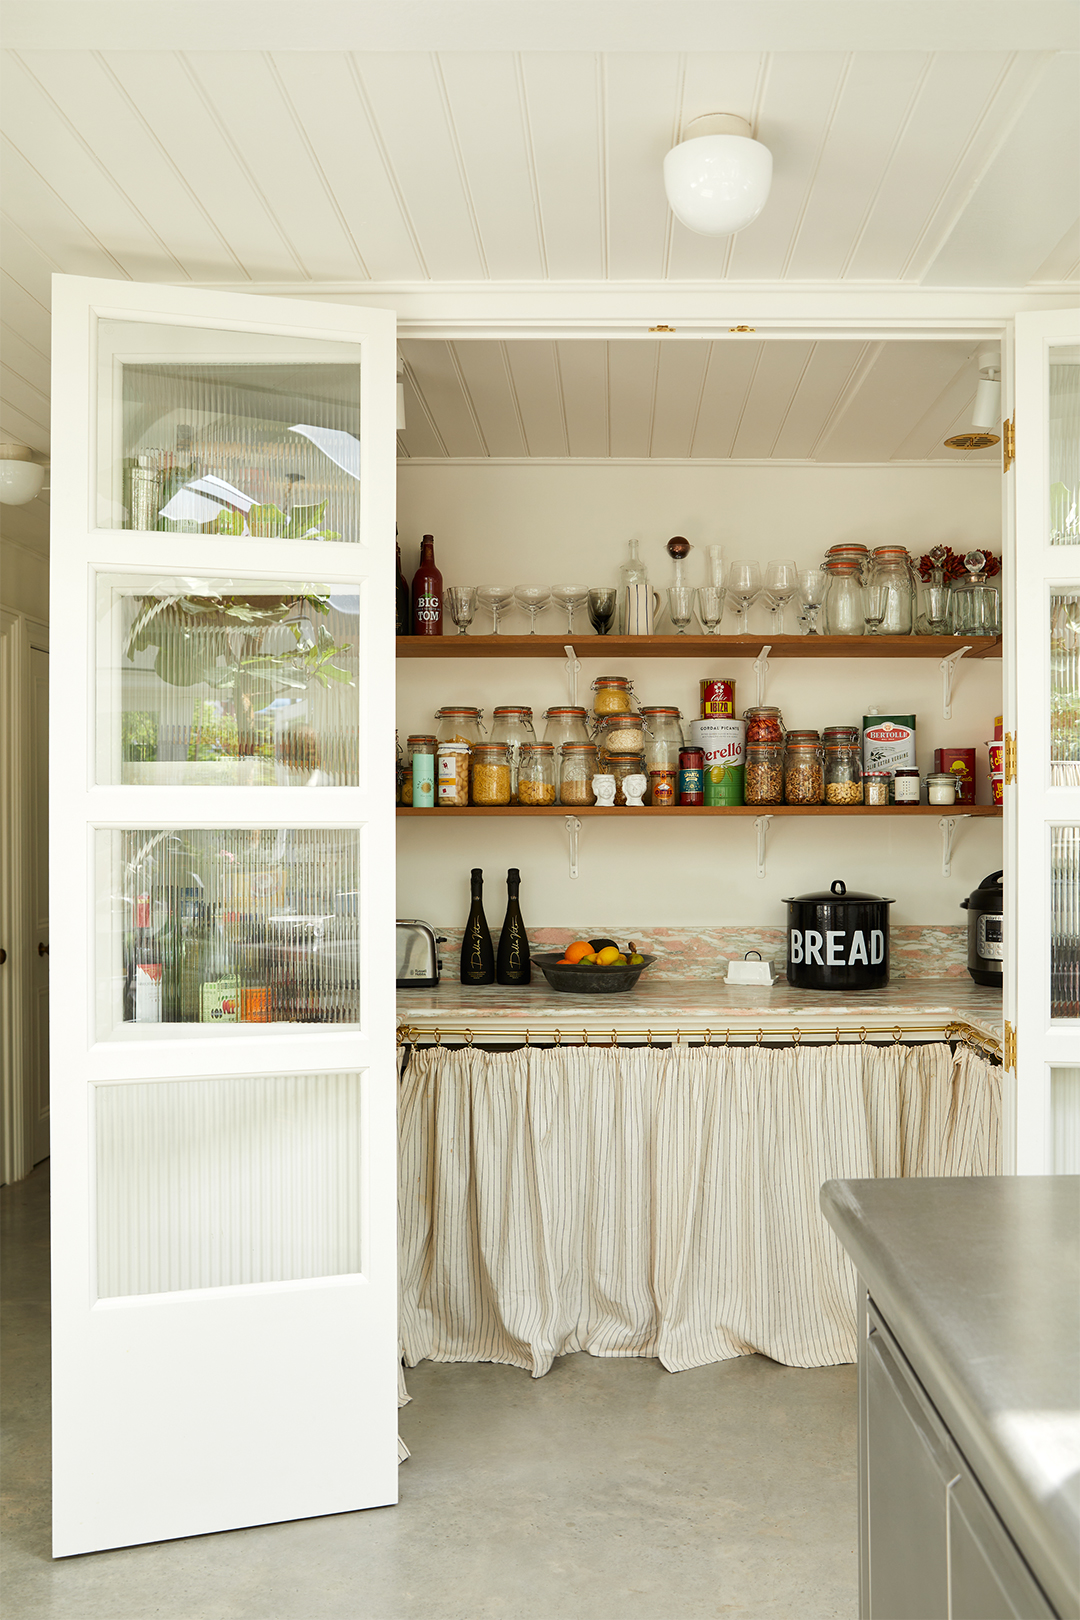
418	965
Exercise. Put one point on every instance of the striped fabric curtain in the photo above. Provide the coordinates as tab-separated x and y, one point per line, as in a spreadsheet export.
637	1202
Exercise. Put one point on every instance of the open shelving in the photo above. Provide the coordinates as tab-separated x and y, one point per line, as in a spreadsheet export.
676	812
609	647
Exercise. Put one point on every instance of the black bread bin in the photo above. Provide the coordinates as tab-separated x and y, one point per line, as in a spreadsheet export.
838	940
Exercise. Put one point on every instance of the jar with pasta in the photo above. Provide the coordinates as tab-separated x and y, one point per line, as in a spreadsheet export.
566	723
843	773
620	734
512	725
764	724
453	775
620	766
489	774
764	778
804	774
614	695
578	766
460	724
536	774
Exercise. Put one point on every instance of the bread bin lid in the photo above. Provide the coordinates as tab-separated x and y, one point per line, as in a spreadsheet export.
837	895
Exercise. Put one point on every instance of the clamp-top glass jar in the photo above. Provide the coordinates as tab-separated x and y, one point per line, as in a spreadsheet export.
459	724
664	735
489	778
577	769
764	775
804	779
614	695
536	774
843	771
764	724
891	568
845	607
512	725
566	723
621	733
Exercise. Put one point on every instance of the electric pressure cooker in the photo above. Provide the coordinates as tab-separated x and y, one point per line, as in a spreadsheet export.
986	931
838	940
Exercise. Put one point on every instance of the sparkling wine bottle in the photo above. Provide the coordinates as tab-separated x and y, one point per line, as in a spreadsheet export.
513	964
427	592
477	956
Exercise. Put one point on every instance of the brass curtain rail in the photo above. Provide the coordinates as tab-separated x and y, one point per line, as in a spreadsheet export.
503	1034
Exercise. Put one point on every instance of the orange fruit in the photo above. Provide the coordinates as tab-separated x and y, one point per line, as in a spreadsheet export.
574	952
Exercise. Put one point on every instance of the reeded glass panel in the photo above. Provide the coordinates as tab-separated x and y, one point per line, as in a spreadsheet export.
1064	445
1065	922
207	931
206	1183
1065	1120
219	432
223	683
1065	689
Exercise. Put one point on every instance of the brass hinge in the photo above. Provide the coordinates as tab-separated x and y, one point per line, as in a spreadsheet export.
1008	1048
1010	758
1008	445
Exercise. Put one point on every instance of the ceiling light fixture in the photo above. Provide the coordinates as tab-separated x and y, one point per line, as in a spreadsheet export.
717	179
987	410
20	478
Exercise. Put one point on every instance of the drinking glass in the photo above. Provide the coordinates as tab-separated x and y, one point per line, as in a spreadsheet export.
602	600
496	599
876	601
710	607
680	607
744	584
936	608
812	583
532	599
461	600
570	597
781	584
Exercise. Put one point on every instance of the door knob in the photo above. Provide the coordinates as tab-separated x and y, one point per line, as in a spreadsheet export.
42	950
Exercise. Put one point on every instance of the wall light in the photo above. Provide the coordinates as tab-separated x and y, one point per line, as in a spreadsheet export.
987	409
717	179
20	478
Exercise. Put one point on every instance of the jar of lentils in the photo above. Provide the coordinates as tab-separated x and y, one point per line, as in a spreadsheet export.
764	779
804	774
614	695
578	767
489	778
843	772
536	774
765	725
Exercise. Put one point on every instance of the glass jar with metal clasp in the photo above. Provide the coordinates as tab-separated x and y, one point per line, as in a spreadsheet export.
578	766
460	724
891	592
845	609
512	725
565	723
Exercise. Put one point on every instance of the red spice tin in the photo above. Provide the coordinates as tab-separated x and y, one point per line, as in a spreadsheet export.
960	763
717	698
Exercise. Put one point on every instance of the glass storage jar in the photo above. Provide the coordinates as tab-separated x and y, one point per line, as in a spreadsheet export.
974	601
845	608
512	725
907	786
622	764
804	775
564	724
578	766
804	736
614	695
453	778
843	772
850	552
941	788
664	735
457	724
764	778
764	724
891	568
876	788
620	734
489	775
419	748
536	774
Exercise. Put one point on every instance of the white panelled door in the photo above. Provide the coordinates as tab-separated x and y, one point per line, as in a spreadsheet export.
1043	801
223	1076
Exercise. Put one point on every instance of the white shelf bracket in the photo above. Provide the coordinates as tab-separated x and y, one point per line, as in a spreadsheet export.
761	827
948	673
761	670
573	828
948	825
573	670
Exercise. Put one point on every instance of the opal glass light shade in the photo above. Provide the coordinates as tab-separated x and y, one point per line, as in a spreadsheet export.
20	482
718	183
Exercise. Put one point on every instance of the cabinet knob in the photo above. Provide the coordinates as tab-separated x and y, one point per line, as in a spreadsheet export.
42	950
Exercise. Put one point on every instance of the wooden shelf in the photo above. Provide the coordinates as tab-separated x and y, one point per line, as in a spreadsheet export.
612	649
678	811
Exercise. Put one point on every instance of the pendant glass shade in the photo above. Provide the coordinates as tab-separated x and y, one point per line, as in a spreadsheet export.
717	181
20	478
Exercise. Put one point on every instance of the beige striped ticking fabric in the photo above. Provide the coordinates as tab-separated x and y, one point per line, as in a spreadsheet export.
637	1202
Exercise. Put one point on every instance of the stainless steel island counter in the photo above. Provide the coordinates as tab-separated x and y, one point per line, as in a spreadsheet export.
976	1282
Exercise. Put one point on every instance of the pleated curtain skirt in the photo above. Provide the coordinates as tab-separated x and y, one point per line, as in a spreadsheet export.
646	1202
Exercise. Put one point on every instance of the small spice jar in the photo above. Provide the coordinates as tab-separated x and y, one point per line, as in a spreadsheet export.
622	765
663	786
418	788
907	786
578	766
621	734
941	788
764	778
614	695
804	775
512	725
489	774
460	725
766	725
565	724
843	772
876	787
536	774
453	775
691	776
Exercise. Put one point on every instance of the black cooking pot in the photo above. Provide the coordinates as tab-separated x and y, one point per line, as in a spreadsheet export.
838	940
986	931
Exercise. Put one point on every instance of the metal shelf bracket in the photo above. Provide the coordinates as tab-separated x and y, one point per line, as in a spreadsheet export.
761	670
573	670
948	673
948	825
573	828
761	827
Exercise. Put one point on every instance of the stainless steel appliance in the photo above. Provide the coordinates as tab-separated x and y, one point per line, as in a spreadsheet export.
418	964
986	931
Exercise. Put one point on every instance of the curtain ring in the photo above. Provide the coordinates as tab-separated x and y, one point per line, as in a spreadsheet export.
584	1037
678	1037
727	1037
468	1037
708	1037
438	1037
797	1037
558	1037
896	1034
527	1036
650	1037
838	1035
614	1040
862	1037
760	1037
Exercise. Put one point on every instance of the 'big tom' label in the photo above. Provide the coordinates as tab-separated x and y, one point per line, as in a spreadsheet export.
835	947
428	610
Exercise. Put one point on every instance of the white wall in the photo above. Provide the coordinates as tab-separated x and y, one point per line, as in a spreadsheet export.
546	523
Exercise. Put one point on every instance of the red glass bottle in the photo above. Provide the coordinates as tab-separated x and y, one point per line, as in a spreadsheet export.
427	591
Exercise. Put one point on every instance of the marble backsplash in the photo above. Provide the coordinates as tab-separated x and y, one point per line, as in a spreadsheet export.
931	951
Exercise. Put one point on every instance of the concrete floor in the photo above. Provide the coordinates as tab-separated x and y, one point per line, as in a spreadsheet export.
607	1489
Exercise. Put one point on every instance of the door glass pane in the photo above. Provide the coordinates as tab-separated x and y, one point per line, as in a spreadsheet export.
1065	1120
1065	922
223	683
210	932
220	432
206	1183
1065	689
1064	445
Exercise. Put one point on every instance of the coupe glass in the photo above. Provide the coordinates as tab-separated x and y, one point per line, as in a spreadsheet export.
781	584
602	600
532	599
680	600
495	599
710	607
461	600
744	585
876	601
570	597
812	583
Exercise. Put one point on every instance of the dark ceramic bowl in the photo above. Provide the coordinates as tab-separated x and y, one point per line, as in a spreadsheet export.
588	981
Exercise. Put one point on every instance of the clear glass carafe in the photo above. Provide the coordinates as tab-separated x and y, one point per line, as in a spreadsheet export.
512	725
891	569
845	612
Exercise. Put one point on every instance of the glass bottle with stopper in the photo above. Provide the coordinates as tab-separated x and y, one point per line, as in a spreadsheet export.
637	600
680	596
974	601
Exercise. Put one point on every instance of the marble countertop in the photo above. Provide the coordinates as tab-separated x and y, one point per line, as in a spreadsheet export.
979	1280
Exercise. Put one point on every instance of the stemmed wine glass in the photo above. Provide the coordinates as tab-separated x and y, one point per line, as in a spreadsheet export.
875	602
532	599
680	606
602	599
812	583
744	584
495	599
570	597
710	607
781	584
461	600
